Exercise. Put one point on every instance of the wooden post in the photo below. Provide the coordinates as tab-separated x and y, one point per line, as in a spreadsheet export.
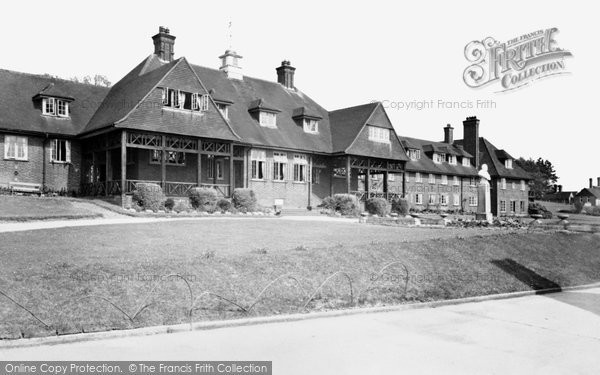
404	184
385	184
368	179
245	168
310	178
348	181
231	169
123	164
108	171
163	162
199	163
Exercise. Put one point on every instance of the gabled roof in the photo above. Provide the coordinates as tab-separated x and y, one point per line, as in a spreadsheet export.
587	192
262	105
22	113
426	164
563	195
289	133
496	168
347	123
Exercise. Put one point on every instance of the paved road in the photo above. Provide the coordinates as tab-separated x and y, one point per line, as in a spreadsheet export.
558	333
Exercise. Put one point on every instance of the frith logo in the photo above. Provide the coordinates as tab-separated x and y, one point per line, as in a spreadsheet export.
515	63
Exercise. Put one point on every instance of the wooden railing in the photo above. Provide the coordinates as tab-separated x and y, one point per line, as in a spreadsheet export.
223	190
170	188
362	195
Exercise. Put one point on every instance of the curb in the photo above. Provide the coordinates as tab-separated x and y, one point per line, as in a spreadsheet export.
200	326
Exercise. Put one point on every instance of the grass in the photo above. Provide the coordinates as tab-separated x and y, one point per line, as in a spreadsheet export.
63	275
24	208
574	218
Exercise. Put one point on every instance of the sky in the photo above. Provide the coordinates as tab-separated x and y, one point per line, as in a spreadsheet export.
347	53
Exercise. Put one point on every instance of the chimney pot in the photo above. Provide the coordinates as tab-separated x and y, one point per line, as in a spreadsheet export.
449	134
164	44
285	74
598	181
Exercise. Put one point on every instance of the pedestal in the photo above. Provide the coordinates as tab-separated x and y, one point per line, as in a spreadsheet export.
484	203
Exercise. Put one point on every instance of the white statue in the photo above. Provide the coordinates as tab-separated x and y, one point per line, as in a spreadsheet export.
483	173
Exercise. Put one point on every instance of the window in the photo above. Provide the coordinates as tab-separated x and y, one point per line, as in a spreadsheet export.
503	183
258	158
513	185
522	206
311	126
267	119
391	177
184	100
456	199
522	185
339	172
413	153
279	166
48	106
473	181
444	179
508	163
444	199
513	206
300	166
61	151
316	175
418	177
432	198
219	169
377	134
466	162
62	108
455	181
418	198
439	158
224	109
472	200
451	159
15	148
502	206
210	173
431	178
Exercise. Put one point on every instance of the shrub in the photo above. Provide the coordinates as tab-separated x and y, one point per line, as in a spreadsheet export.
578	207
224	205
401	206
149	196
538	209
593	211
181	206
244	200
328	203
203	199
169	204
378	206
346	204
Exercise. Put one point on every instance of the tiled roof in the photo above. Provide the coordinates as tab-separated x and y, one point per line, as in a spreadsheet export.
587	192
426	164
21	113
347	123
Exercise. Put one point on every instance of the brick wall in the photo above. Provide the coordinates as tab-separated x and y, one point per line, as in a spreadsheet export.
507	195
458	194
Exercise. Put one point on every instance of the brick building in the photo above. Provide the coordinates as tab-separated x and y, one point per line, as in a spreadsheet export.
183	125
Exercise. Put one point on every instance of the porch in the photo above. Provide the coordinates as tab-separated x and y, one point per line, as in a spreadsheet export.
114	163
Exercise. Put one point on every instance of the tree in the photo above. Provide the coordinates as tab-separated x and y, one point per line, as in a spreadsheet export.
543	173
98	80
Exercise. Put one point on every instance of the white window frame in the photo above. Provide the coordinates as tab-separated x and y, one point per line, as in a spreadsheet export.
503	183
432	178
419	198
267	119
258	159
472	200
513	185
522	185
444	180
414	154
224	109
473	181
300	168
56	151
379	134
452	159
513	206
508	164
432	198
439	158
456	199
466	162
391	177
280	163
503	206
310	126
418	177
19	147
455	181
444	199
49	103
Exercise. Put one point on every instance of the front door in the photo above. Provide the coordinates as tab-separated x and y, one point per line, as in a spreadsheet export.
238	174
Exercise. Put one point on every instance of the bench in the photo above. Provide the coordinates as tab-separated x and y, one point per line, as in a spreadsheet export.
25	187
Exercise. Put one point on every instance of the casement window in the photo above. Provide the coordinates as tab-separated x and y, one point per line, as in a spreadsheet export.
473	181
49	106
508	163
431	178
502	206
60	151
522	185
456	199
279	166
184	100
466	162
15	148
503	183
224	109
418	177
258	161
413	153
455	181
419	198
267	119
444	199
377	134
432	198
311	126
316	175
513	185
62	108
472	200
171	157
439	158
444	179
522	206
513	206
451	159
300	167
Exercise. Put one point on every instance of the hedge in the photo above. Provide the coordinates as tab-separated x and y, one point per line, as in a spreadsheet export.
244	200
203	199
149	196
378	206
401	206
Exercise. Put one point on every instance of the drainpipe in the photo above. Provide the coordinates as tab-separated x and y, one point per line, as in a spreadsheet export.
44	162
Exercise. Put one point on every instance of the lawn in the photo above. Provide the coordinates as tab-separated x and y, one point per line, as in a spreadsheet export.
97	278
25	208
558	208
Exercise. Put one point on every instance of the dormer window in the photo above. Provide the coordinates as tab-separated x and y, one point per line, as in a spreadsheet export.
267	119
508	163
55	107
439	158
413	153
377	134
452	159
466	162
224	109
173	98
311	126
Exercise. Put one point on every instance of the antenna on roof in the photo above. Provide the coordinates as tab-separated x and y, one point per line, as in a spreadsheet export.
229	35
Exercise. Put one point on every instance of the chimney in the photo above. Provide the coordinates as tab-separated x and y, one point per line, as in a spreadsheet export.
164	44
560	188
591	183
471	138
598	178
230	65
449	134
285	74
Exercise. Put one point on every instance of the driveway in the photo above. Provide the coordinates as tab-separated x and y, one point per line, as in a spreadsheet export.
542	334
